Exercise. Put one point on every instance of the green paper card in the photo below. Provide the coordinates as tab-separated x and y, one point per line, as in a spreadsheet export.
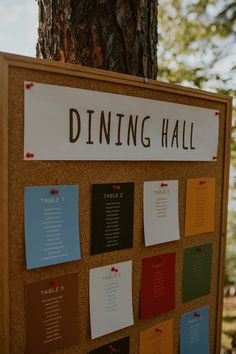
197	271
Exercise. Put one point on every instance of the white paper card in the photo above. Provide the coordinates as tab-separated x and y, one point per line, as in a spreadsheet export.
110	294
64	123
160	208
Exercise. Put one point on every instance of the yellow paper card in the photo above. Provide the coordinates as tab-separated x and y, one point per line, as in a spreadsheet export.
200	206
157	339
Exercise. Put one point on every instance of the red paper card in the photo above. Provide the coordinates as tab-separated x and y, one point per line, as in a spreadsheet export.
157	285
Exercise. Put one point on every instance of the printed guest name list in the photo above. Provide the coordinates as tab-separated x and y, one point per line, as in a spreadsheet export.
51	225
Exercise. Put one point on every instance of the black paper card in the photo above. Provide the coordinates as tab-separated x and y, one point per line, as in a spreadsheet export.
112	217
120	346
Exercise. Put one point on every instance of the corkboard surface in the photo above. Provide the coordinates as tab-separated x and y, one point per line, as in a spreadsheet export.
40	173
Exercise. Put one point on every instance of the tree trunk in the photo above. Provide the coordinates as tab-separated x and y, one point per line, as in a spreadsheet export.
116	35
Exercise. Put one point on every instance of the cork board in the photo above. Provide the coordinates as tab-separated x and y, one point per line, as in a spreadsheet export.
16	174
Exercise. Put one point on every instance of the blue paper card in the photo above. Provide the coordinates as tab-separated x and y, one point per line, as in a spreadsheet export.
51	225
194	332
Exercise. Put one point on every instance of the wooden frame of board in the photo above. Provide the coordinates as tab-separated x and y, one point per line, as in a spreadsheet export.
16	173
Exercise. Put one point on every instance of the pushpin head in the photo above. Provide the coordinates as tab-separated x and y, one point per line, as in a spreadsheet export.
54	191
29	155
55	283
29	85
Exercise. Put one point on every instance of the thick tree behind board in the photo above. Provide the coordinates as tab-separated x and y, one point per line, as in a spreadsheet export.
116	35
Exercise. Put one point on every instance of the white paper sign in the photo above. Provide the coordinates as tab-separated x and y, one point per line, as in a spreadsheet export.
110	294
160	208
63	123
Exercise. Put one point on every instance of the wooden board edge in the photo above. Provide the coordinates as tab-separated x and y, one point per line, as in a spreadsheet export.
222	252
4	271
68	69
108	76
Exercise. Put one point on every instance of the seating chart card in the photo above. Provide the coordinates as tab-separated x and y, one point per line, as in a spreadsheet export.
200	206
160	208
51	225
157	339
112	217
120	346
197	271
157	285
194	332
110	296
51	314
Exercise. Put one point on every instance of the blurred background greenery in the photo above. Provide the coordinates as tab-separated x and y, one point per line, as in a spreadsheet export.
197	48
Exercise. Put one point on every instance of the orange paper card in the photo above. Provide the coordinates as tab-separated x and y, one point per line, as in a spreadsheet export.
157	339
200	206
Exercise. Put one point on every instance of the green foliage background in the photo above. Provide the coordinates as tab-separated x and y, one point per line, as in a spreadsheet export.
197	48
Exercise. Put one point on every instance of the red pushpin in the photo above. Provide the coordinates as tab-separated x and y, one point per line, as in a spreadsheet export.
112	349
113	269
202	182
196	314
215	158
54	191
55	283
164	185
29	155
158	330
201	249
116	187
217	113
29	85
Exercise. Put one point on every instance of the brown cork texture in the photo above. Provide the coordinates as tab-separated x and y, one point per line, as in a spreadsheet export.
40	173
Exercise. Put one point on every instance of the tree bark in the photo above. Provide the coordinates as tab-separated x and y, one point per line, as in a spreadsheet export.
116	35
